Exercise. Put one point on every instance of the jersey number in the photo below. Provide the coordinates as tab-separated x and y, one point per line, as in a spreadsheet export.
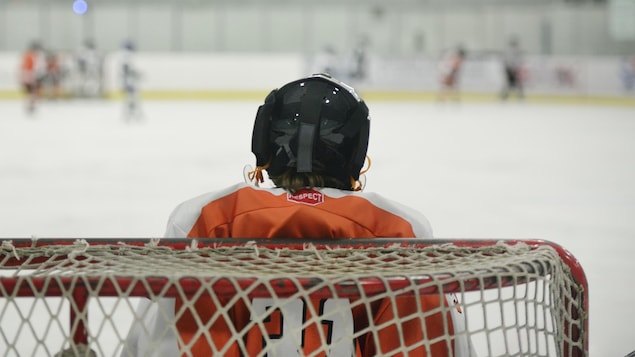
285	326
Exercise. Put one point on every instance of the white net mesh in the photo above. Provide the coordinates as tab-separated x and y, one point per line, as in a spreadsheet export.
517	299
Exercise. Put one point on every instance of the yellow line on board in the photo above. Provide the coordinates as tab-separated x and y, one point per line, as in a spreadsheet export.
10	95
217	95
492	98
369	96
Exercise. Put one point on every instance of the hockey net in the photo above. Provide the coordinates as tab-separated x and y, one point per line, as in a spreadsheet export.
68	297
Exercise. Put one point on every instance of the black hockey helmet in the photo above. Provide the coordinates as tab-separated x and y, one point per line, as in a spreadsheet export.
314	124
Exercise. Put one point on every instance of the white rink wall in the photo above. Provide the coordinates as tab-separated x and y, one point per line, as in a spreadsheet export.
200	72
181	74
558	75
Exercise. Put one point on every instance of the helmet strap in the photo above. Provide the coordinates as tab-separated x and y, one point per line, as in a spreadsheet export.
359	183
310	113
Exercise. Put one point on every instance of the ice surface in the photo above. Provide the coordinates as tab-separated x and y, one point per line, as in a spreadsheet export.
517	170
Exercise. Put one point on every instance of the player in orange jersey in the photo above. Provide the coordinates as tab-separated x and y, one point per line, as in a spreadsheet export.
449	70
311	138
32	72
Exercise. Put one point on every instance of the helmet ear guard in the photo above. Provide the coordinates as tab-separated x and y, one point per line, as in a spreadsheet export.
260	145
358	124
325	129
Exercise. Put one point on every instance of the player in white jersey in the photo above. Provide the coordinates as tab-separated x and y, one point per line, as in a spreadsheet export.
130	82
89	64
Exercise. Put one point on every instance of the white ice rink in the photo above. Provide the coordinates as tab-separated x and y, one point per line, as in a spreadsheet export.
516	170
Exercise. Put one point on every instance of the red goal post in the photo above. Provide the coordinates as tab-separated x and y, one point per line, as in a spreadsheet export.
537	289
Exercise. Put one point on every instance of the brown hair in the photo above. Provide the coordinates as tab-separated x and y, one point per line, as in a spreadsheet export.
293	181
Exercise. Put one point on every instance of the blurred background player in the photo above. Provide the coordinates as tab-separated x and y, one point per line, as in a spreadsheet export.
32	73
627	73
311	138
513	66
359	65
52	83
449	70
89	65
130	82
327	61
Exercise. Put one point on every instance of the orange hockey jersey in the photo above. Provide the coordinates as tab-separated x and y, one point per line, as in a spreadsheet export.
244	211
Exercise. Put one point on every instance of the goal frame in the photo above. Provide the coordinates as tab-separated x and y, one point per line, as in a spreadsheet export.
14	287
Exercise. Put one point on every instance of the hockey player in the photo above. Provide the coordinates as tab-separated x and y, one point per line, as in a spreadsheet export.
53	76
450	69
359	70
328	61
310	137
512	64
130	82
32	73
89	64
